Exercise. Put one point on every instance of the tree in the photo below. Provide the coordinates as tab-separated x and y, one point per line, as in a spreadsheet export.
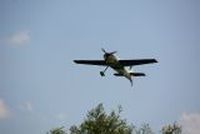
98	122
57	131
172	129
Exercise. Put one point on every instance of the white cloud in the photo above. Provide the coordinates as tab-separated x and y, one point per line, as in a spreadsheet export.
4	112
190	123
18	38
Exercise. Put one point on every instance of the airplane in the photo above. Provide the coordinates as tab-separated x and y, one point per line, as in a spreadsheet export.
110	60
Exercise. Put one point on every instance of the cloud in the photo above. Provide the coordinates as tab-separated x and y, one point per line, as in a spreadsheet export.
4	112
19	38
190	123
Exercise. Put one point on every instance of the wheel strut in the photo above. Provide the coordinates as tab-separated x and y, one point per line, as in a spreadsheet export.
102	73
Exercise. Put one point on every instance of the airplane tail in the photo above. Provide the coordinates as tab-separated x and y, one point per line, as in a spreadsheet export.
135	74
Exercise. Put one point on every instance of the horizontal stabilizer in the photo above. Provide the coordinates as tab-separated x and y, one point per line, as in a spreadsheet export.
136	74
116	74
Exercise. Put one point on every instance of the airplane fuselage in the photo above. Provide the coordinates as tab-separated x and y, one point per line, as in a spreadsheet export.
114	63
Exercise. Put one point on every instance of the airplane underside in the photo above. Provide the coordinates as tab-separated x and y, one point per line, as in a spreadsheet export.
110	60
122	72
125	73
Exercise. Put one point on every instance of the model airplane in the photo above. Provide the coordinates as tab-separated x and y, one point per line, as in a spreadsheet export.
110	60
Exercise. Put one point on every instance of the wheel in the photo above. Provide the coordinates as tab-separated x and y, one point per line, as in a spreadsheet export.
102	73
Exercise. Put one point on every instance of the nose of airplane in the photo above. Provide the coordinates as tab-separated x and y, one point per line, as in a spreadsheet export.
106	55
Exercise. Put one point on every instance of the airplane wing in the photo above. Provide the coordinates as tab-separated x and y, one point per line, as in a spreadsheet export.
91	62
137	62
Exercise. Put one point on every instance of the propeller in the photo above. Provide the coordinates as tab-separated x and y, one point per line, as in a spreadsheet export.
108	53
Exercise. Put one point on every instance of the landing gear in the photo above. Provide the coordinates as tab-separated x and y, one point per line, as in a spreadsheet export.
102	73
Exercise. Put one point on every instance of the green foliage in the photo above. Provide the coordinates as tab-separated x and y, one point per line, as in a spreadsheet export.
172	129
57	131
98	122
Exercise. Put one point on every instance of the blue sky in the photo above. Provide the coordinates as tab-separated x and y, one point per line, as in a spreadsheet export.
41	88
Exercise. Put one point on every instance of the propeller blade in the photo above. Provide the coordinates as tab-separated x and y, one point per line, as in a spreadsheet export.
113	52
103	50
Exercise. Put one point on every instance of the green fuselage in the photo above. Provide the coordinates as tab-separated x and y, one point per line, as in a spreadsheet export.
114	63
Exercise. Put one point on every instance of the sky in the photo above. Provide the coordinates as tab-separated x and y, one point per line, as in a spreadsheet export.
41	88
